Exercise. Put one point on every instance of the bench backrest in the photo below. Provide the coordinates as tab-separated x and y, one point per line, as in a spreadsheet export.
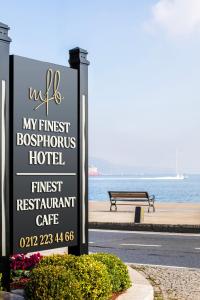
137	195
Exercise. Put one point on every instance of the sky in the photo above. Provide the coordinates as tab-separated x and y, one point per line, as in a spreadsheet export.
144	73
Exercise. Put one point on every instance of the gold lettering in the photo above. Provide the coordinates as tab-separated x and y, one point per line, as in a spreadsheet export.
52	83
46	239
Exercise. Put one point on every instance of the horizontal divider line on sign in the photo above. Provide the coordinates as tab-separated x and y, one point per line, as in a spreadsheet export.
34	174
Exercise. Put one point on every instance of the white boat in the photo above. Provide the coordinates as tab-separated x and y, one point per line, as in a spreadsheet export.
179	176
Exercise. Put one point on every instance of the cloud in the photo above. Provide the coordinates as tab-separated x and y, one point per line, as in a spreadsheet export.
176	17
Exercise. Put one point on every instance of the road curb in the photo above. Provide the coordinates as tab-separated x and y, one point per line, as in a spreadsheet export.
145	227
141	288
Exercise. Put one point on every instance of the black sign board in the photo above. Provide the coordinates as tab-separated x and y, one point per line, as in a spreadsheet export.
44	105
43	154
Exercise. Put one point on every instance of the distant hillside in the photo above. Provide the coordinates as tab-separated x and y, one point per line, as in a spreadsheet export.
108	168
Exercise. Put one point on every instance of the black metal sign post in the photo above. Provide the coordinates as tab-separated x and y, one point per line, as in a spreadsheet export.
44	154
78	60
5	234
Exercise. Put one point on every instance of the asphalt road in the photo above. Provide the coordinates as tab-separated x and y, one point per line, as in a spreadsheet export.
168	249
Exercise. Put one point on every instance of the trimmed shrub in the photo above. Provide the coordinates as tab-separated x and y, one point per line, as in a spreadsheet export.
58	260
53	283
93	278
92	275
117	270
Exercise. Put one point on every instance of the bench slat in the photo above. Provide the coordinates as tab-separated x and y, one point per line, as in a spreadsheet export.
128	196
130	199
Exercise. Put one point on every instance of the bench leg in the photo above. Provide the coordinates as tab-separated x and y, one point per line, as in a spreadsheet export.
153	206
113	204
149	206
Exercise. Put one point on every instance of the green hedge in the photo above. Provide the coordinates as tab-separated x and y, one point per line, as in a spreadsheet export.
92	276
53	282
117	270
67	260
86	277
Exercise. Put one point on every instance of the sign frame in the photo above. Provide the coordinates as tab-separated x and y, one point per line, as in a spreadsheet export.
77	60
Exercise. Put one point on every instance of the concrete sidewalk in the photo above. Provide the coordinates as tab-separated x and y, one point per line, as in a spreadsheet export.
182	217
141	288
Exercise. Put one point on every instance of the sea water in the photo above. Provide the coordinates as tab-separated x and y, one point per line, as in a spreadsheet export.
164	188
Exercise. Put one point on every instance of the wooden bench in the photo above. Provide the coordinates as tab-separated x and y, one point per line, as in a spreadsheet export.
122	197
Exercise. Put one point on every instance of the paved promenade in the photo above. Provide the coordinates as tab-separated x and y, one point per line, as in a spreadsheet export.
172	283
172	213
